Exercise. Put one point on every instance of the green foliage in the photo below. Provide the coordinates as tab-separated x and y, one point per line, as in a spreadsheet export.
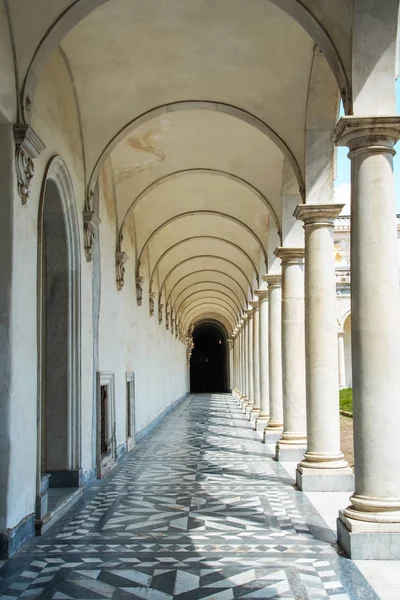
346	399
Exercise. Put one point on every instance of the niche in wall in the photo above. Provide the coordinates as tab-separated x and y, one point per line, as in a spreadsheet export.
106	439
130	410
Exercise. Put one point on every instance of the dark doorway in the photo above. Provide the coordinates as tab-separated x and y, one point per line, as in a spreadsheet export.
208	371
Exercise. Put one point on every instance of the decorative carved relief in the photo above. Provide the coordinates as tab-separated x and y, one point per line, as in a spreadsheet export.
120	260
167	319
90	224
139	289
160	312
152	295
28	146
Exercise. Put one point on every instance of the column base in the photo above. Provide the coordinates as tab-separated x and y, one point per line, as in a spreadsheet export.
248	410
275	426
289	452
261	422
325	480
254	414
271	437
363	540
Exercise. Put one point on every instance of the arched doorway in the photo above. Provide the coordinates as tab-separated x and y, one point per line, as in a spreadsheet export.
208	364
59	337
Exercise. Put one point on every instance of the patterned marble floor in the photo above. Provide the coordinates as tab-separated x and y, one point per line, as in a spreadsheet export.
198	510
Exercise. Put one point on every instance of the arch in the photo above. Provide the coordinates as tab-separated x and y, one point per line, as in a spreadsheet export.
373	72
207	271
208	291
218	172
202	212
220	326
208	283
205	237
221	302
183	262
59	327
79	10
187	314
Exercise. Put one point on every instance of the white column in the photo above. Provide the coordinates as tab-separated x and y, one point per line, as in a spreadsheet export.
275	423
375	329
230	350
292	443
341	361
256	360
323	467
263	417
245	361
250	380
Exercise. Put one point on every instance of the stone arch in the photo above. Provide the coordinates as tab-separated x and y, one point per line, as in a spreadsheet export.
79	10
59	330
184	172
374	57
209	364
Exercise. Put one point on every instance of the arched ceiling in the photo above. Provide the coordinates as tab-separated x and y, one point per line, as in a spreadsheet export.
198	108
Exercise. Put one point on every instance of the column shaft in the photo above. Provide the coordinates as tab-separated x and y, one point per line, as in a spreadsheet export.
375	329
323	467
275	423
256	359
250	378
263	417
341	361
292	444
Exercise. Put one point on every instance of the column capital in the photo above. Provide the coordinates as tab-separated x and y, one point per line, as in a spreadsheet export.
318	214
262	294
249	313
378	134
254	304
274	281
290	255
229	341
245	316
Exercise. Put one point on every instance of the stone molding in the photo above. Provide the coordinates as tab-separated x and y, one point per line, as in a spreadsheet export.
28	146
375	134
318	214
120	260
245	317
273	281
152	296
139	290
91	222
290	255
255	304
160	313
262	295
249	313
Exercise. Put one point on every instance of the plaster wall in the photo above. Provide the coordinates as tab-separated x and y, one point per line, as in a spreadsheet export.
55	121
7	77
129	339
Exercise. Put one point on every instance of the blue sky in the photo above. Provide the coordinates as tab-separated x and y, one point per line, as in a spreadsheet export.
343	164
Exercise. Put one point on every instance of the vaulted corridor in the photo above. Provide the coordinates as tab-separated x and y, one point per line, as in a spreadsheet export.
198	510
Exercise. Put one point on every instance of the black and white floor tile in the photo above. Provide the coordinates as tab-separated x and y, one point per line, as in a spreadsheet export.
198	510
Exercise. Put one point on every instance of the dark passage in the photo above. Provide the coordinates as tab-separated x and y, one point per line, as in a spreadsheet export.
208	369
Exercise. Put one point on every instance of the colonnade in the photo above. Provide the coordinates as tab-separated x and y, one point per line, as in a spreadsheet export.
288	342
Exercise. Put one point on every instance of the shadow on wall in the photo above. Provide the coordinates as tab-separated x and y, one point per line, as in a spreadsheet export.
208	364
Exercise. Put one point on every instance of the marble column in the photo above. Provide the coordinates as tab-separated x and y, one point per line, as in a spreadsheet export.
370	526
263	416
341	361
245	397
256	360
250	380
230	350
275	423
293	442
323	468
238	361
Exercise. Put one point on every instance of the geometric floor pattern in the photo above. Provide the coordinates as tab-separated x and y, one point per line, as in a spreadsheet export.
198	510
